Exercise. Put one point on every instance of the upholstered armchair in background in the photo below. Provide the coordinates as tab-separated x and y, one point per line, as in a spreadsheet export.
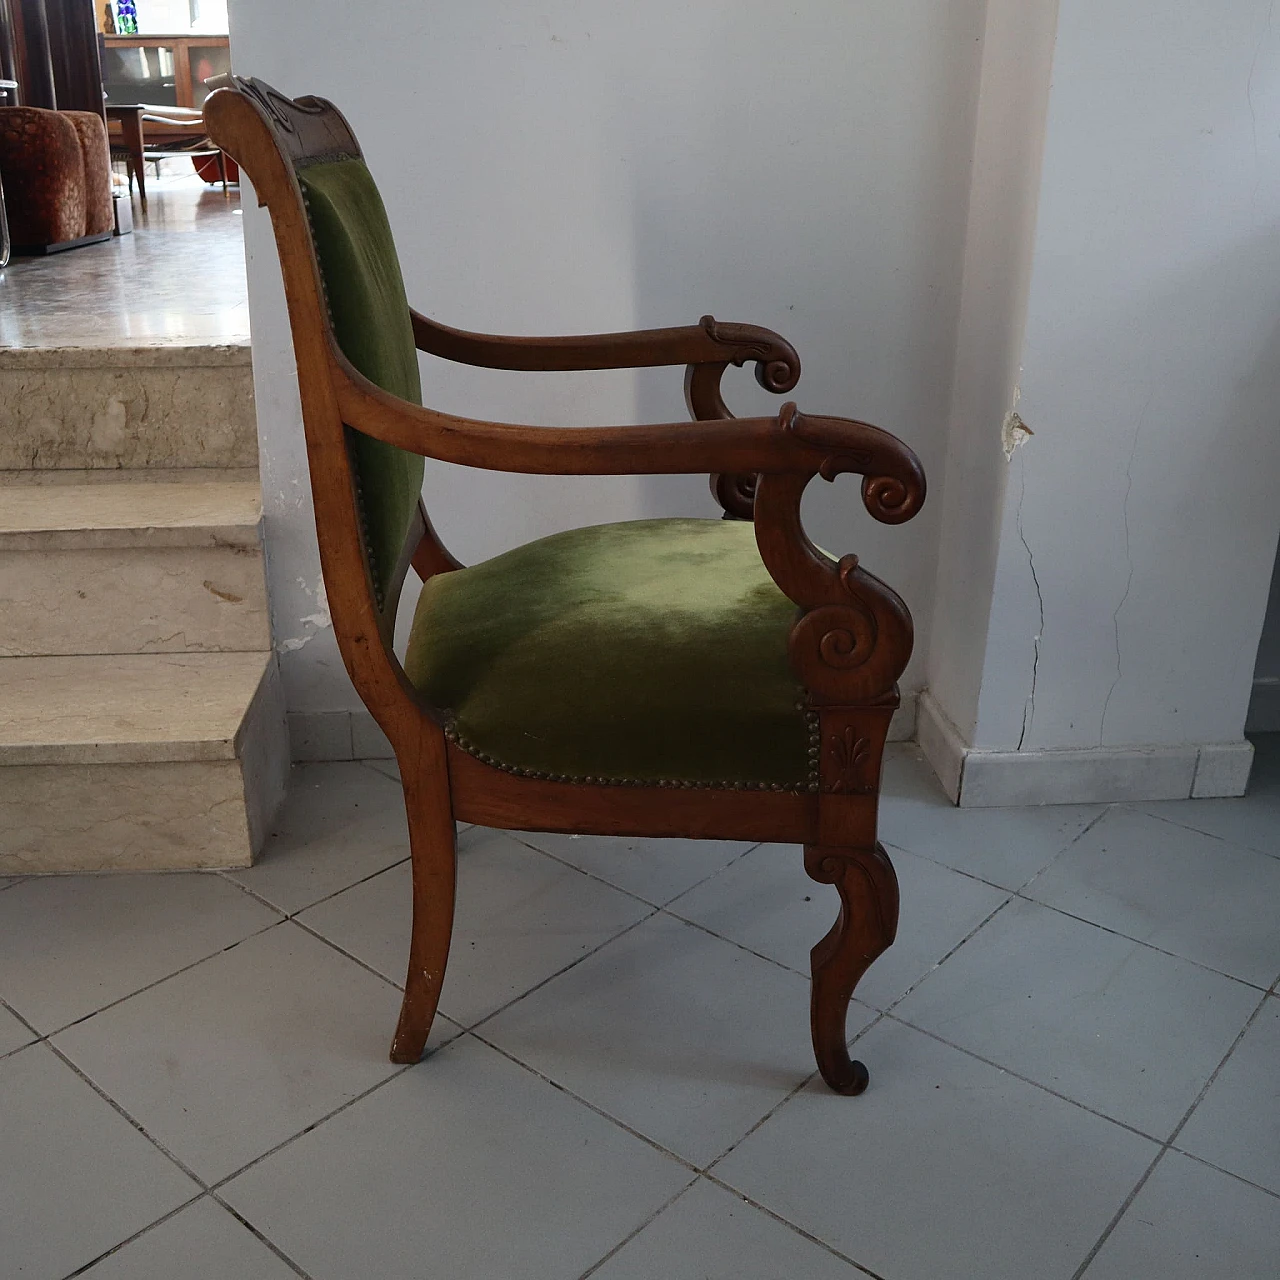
683	677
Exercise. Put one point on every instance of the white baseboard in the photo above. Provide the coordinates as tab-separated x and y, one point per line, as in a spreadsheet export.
1264	706
984	779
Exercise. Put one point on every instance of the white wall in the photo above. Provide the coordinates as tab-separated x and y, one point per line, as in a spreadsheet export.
1009	142
1151	377
586	166
1135	531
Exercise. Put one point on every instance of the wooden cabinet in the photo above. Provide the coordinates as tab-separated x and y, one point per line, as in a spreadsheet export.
167	71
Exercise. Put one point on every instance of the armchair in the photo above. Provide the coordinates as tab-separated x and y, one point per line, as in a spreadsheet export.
699	678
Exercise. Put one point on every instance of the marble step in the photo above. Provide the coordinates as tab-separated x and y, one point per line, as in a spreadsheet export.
138	762
134	407
132	568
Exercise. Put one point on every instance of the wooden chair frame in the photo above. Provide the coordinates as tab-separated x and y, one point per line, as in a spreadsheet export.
850	642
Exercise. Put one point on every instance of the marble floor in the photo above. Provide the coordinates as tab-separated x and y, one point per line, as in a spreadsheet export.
179	279
1072	1047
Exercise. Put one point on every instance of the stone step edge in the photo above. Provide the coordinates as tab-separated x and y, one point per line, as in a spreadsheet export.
178	749
201	355
89	517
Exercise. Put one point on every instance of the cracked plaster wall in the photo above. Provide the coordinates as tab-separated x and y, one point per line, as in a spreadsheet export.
1139	524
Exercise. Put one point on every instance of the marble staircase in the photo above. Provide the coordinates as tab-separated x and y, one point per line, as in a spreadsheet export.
141	716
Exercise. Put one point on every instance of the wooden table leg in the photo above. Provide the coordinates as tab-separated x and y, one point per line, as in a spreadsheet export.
131	131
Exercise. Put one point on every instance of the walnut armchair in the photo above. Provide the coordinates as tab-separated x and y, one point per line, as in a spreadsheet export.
722	679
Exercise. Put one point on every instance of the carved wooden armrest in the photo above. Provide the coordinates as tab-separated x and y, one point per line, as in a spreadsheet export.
706	343
854	636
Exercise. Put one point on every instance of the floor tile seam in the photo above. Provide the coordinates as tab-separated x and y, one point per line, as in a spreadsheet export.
631	893
782	1102
229	876
35	1031
791	1226
1221	1168
151	986
142	1231
1212	835
982	924
946	866
1150	946
570	866
1226	1057
577	960
1080	835
333	946
733	942
218	1184
1025	1079
367	762
1118	1215
638	1134
631	1235
120	1110
261	1236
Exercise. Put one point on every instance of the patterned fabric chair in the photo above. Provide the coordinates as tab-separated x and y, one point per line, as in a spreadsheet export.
701	678
56	168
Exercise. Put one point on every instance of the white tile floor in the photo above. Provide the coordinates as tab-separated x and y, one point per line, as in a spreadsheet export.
1073	1053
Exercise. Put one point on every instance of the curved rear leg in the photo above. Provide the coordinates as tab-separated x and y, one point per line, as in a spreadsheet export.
432	842
865	928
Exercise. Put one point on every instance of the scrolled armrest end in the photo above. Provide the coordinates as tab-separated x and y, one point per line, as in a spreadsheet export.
893	487
776	361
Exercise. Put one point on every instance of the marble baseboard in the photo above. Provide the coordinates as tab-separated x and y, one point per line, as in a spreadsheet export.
162	600
987	779
159	407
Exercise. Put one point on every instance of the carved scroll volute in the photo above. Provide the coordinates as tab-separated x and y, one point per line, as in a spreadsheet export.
777	370
855	636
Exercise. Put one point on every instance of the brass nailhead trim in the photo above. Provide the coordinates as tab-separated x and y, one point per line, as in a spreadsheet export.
683	784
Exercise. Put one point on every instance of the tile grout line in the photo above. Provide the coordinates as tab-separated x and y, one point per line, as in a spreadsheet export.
215	1187
270	1244
577	960
44	1037
1021	893
791	1226
627	1239
142	1231
782	1102
590	1106
230	877
1235	1177
120	1110
1016	1075
1167	1144
1150	946
1212	835
1119	1213
591	875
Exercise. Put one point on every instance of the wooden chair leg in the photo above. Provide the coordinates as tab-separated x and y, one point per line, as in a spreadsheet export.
433	845
866	926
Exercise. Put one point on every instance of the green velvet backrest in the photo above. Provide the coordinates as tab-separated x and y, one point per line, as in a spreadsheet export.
370	316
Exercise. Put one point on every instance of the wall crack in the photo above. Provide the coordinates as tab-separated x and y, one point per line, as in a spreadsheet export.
1128	555
1029	707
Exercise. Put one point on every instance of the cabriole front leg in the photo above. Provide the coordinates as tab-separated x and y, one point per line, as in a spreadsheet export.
865	928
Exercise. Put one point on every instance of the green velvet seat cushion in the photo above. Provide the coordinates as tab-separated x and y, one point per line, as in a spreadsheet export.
645	651
370	315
